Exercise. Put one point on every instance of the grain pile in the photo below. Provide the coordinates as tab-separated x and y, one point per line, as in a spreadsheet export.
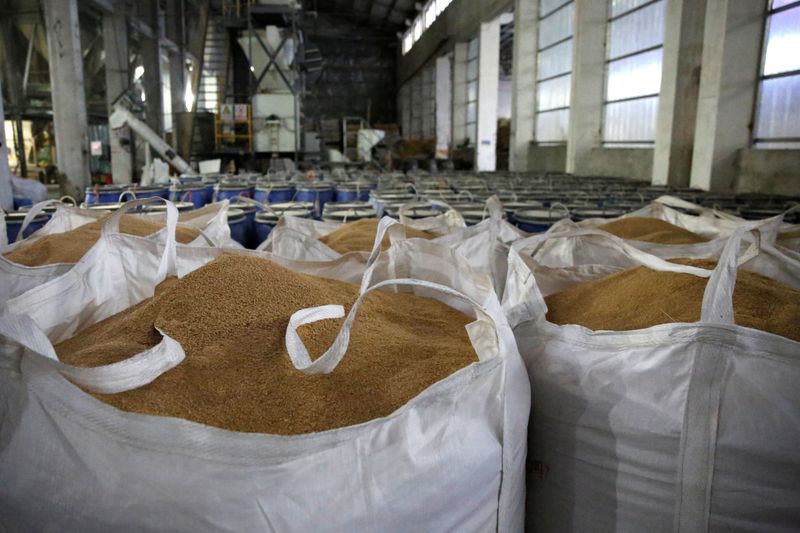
650	230
789	235
640	298
71	246
359	236
230	316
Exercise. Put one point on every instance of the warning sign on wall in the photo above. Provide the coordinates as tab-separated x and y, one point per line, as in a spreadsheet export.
226	112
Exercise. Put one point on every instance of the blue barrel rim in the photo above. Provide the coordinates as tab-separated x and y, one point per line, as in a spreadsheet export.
549	216
14	217
267	217
350	215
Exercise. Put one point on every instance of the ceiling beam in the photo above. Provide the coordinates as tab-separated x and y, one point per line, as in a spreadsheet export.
389	12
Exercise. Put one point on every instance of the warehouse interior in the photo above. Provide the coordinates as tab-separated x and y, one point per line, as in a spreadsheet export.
400	265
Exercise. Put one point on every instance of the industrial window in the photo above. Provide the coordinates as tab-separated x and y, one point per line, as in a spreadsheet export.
634	48
425	19
408	42
554	72
778	111
472	90
430	14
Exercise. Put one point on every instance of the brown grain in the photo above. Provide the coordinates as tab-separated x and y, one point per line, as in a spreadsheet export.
359	236
788	235
640	298
650	230
71	246
230	316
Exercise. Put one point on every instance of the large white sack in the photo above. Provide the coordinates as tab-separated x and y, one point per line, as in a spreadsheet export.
709	223
452	459
15	279
677	427
484	245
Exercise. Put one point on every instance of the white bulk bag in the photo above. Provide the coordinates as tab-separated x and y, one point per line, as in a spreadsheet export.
450	459
483	245
211	221
442	223
677	427
709	223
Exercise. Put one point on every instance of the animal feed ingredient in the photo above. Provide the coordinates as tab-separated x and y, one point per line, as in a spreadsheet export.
71	246
640	298
230	316
650	230
359	236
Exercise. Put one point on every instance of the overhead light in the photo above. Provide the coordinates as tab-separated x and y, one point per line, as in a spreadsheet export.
138	72
252	68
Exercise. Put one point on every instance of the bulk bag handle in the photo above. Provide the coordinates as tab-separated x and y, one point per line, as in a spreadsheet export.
327	362
531	245
401	213
675	202
128	374
526	302
168	266
32	213
717	305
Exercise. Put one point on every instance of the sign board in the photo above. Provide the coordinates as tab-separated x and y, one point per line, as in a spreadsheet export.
226	112
240	111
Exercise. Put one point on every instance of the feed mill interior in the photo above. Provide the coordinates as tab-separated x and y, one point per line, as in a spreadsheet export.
400	265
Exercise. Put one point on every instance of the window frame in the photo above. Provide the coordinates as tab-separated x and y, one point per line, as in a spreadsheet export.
635	143
472	125
537	112
755	141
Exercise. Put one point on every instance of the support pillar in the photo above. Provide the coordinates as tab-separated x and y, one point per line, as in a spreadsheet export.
14	82
488	85
151	80
444	105
175	30
523	84
459	93
68	93
6	193
115	39
196	46
588	78
680	85
731	59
